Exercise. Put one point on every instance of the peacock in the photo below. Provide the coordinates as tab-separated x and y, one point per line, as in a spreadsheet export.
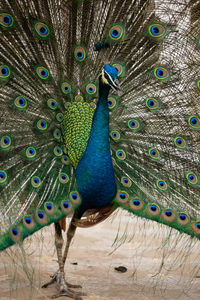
99	110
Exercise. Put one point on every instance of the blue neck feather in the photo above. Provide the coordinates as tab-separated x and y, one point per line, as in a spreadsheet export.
94	173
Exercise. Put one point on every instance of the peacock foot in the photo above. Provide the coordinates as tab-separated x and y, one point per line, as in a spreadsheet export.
59	278
65	288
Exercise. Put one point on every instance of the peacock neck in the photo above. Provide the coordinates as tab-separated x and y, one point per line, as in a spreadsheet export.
94	173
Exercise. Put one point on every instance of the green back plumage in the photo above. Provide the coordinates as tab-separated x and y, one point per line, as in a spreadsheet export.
47	63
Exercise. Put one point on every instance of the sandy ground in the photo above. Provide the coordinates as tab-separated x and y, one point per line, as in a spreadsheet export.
156	259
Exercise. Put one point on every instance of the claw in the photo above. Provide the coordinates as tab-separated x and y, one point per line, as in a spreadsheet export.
69	293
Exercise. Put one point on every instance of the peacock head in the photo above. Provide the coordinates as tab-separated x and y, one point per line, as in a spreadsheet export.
108	77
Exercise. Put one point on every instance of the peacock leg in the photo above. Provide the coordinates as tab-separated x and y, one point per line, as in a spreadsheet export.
59	276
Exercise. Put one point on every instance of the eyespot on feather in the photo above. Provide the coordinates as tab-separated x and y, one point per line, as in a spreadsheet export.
161	184
121	154
153	210
194	122
42	29
4	72
58	152
80	53
116	32
120	69
75	198
15	234
42	125
65	160
156	31
154	153
134	124
63	178
30	153
5	143
115	135
126	181
79	98
6	20
192	178
183	218
36	182
52	104
91	88
122	197
152	104
112	102
161	73
168	215
196	227
41	217
3	177
57	134
29	222
67	207
42	73
65	88
59	117
180	142
136	204
49	208
20	103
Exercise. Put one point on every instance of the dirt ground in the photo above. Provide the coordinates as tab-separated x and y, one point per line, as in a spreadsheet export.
157	262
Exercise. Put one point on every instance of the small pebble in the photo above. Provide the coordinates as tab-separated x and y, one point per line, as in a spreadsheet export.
121	269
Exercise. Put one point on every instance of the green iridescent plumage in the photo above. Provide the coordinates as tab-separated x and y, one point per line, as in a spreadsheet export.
76	127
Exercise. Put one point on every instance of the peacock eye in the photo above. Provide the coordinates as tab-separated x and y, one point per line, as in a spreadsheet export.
63	178
126	181
3	177
115	135
80	54
57	151
52	104
20	103
156	31
152	103
91	88
5	142
28	220
192	177
180	142
4	72
15	231
161	184
65	160
136	204
134	124
65	88
42	125
153	208
57	134
183	218
161	73
42	73
36	181
59	117
30	152
79	98
121	154
111	102
6	20
194	122
42	30
116	32
41	215
119	68
154	153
